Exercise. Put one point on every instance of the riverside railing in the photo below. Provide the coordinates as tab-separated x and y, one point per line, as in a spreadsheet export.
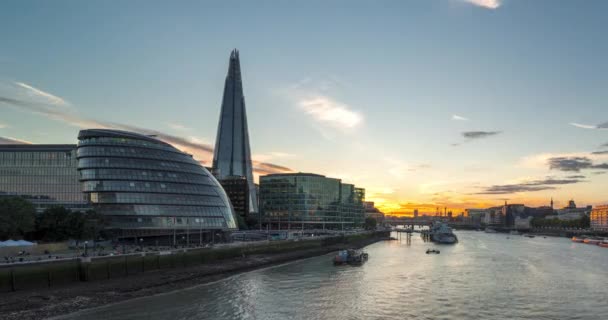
48	274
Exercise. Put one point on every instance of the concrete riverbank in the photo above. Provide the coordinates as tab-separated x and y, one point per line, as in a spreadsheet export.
61	300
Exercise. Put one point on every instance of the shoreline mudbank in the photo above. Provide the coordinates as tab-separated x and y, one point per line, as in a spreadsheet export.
59	301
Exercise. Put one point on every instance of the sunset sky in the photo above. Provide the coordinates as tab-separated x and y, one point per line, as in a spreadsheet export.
425	103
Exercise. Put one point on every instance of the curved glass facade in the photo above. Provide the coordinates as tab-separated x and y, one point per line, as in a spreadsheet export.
147	187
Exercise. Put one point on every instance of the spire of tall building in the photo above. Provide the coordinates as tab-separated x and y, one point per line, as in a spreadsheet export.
232	155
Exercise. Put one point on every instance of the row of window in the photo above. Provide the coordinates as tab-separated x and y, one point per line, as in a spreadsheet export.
138	164
123	142
155	198
144	175
134	153
38	171
163	210
168	222
141	186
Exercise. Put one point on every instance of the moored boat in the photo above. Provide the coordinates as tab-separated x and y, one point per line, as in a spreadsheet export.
603	244
441	233
592	241
579	240
490	230
350	256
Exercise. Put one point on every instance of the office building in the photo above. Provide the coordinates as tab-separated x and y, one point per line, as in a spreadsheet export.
45	175
237	189
147	188
599	218
232	154
310	201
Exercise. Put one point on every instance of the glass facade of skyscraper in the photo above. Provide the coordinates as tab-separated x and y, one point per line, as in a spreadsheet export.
311	201
147	187
45	175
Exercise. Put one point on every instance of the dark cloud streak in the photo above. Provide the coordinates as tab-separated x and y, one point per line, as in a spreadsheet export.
479	134
574	164
531	186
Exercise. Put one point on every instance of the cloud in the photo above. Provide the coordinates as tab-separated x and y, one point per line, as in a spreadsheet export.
459	118
11	140
576	177
597	173
325	110
600	152
605	145
2	126
601	126
531	186
201	151
52	99
574	164
272	155
479	134
178	126
488	4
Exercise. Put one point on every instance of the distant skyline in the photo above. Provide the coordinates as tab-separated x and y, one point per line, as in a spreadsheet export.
424	103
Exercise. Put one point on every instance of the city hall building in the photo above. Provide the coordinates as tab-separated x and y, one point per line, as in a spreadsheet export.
146	187
310	201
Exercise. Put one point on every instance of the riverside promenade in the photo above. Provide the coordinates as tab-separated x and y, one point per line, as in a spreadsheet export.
45	290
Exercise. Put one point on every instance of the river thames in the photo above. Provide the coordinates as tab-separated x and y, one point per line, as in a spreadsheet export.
485	276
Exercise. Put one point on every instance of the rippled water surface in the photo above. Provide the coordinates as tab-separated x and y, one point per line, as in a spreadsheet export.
484	276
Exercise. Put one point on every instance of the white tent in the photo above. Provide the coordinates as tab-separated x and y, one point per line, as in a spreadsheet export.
18	243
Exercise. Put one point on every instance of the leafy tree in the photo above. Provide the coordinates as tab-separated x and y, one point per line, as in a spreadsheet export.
55	224
241	222
17	217
370	223
251	222
59	223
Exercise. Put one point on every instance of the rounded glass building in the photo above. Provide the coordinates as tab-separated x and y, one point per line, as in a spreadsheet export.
148	188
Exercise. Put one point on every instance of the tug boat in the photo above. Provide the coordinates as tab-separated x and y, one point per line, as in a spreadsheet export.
350	256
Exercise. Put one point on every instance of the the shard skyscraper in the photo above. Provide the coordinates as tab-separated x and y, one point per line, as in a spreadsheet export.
232	155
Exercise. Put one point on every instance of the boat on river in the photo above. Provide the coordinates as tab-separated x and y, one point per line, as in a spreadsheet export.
603	244
441	233
579	240
490	230
350	256
429	251
593	241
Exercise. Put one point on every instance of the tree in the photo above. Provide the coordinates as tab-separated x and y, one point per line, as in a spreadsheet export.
55	224
59	224
370	223
251	221
17	217
241	222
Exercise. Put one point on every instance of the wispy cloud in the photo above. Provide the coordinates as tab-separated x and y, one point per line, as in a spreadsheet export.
488	4
470	136
272	155
331	116
178	126
600	152
11	140
2	126
52	99
574	164
326	110
201	151
601	126
548	183
459	118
